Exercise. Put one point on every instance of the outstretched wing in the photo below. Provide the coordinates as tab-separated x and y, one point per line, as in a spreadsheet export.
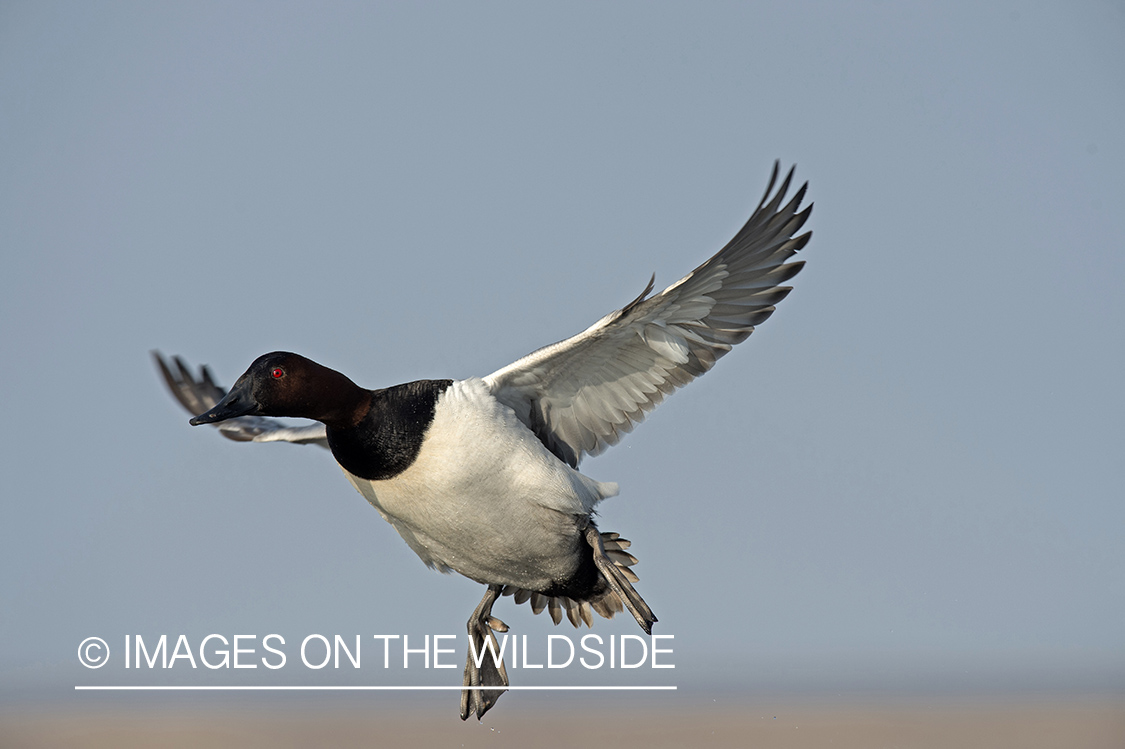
579	396
199	395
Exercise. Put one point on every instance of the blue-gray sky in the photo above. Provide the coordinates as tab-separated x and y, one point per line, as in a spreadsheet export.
912	473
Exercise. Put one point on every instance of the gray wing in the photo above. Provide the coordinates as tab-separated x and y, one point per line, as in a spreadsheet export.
199	395
581	395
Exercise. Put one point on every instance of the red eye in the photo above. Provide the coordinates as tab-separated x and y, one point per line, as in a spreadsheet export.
277	372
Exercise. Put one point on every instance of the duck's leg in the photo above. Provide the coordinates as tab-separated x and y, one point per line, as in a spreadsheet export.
490	673
618	583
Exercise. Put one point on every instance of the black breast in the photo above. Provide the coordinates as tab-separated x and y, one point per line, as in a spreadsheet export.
387	441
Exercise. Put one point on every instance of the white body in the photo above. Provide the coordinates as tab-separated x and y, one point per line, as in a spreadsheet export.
485	497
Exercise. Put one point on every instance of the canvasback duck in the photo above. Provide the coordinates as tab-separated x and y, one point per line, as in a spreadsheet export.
479	476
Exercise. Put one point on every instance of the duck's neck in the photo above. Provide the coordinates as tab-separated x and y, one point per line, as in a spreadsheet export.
391	426
339	402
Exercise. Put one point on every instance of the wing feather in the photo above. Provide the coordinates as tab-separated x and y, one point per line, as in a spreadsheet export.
581	395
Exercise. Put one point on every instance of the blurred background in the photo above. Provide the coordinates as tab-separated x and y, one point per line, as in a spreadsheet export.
901	496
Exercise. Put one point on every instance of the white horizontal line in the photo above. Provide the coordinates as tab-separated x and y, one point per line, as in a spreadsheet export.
243	688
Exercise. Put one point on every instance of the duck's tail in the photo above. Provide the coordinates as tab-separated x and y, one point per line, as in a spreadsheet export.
614	563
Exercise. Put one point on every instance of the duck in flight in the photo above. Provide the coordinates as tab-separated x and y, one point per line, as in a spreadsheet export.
480	476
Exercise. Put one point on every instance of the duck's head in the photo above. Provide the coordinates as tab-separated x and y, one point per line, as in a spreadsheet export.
286	384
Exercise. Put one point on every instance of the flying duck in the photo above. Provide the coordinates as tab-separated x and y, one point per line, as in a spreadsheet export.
480	476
